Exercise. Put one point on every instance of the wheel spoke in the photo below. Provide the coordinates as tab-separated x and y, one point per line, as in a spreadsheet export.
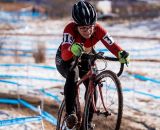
109	110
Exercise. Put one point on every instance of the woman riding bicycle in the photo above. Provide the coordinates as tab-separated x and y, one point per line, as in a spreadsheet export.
81	36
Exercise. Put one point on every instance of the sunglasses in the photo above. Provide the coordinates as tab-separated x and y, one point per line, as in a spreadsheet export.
85	28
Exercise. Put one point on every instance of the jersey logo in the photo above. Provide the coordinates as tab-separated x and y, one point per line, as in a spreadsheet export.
67	38
108	39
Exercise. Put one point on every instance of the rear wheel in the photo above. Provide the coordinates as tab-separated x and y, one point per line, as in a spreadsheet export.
109	110
61	125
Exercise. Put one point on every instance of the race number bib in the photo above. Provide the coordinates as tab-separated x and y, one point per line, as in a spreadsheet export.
67	38
108	39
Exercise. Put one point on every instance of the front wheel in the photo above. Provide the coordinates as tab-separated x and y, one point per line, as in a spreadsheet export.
61	121
109	103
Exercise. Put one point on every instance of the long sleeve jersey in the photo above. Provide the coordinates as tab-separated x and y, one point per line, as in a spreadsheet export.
71	35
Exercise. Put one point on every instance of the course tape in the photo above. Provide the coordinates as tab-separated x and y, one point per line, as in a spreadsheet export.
55	97
15	83
140	56
10	15
25	55
9	101
44	114
58	80
125	89
30	77
31	65
146	49
142	93
135	50
137	56
9	82
135	75
103	50
145	78
19	120
27	50
21	55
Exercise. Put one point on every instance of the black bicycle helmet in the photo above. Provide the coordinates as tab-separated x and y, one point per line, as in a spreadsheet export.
83	13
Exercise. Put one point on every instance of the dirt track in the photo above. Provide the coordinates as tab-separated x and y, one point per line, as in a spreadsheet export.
128	123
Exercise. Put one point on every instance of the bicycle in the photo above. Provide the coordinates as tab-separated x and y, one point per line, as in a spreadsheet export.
106	113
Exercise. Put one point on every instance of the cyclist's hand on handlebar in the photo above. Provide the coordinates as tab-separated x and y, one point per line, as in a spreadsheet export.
76	49
124	57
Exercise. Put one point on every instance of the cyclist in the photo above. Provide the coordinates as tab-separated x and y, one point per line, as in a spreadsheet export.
80	36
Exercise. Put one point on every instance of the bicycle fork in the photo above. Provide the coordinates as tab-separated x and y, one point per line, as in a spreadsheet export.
106	113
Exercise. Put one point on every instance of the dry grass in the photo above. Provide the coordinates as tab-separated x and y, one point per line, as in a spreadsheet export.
40	54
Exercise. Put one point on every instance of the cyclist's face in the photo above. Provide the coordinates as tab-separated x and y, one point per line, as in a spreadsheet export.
86	31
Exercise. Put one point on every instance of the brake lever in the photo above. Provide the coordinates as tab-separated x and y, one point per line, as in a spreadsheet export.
126	63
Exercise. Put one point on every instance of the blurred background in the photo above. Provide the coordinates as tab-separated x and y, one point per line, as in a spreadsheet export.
30	86
125	9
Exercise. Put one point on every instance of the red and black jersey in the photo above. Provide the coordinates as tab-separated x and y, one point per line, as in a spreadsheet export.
71	35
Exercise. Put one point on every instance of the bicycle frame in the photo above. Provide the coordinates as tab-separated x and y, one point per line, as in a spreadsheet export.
91	74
